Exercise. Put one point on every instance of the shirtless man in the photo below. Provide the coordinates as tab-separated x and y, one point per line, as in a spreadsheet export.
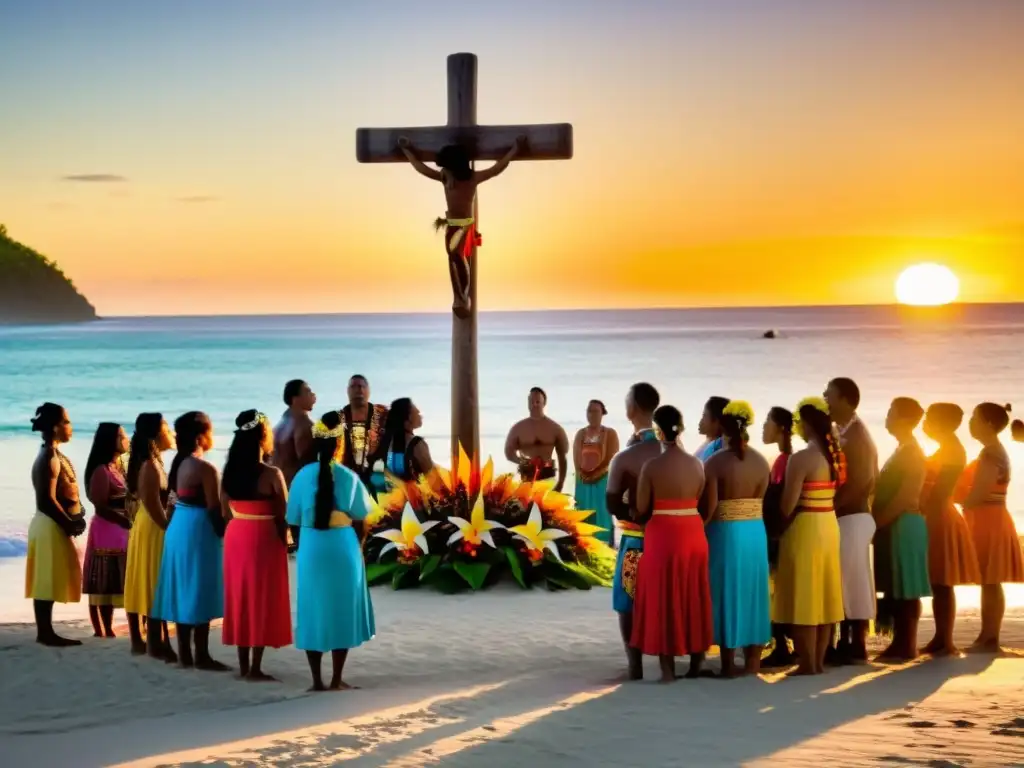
623	474
856	525
293	437
532	442
460	183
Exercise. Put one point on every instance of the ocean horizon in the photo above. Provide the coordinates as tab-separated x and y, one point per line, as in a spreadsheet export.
112	369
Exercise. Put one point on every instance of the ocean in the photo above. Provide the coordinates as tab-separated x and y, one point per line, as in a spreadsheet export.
113	369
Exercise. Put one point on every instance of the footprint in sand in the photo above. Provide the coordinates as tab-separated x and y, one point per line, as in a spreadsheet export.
963	723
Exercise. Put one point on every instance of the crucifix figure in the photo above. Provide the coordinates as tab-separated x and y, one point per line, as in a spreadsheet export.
454	148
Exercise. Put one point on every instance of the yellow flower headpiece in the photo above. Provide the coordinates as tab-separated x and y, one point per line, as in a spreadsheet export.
818	403
322	432
740	410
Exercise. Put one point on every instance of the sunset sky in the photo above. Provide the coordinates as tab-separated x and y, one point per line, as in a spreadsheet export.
199	157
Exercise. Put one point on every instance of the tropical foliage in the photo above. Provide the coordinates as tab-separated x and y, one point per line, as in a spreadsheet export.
466	529
34	289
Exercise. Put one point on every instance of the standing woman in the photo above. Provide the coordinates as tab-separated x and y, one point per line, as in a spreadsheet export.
592	452
809	587
330	503
735	481
901	543
406	455
257	608
147	503
777	431
951	556
53	573
983	494
190	591
710	426
106	552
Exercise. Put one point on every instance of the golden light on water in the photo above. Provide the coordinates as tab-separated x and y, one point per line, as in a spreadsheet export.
927	285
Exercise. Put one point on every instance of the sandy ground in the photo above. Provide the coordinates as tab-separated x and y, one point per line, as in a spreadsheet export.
502	678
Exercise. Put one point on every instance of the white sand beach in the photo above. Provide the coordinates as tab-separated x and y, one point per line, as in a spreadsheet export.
500	678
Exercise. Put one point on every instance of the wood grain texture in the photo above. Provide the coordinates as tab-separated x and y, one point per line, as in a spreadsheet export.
545	141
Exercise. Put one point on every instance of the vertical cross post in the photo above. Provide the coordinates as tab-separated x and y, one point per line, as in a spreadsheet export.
465	425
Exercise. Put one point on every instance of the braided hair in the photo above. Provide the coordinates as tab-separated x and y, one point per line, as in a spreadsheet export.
326	450
820	426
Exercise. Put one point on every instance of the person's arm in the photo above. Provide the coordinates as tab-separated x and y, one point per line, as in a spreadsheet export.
46	493
512	445
149	493
225	506
614	491
709	498
985	477
644	495
562	452
906	498
419	165
577	450
279	502
611	447
302	441
500	166
421	455
99	494
794	485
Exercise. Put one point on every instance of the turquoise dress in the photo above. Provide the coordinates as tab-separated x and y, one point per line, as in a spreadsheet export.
190	589
591	495
333	610
901	548
708	450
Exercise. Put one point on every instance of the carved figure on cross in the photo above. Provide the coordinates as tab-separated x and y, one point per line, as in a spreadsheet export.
461	235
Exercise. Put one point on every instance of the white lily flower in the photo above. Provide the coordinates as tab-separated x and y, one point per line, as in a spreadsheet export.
410	536
536	536
475	530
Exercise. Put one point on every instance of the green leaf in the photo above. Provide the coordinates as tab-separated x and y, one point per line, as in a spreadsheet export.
592	579
564	576
515	566
406	576
378	573
473	573
554	584
430	564
447	580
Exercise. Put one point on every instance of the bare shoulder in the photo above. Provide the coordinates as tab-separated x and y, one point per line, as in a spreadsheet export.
693	463
715	462
758	458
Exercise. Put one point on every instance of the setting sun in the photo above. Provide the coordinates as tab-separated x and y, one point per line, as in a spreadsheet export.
927	285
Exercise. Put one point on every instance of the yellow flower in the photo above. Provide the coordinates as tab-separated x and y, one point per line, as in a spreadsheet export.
410	536
536	536
475	530
740	410
818	403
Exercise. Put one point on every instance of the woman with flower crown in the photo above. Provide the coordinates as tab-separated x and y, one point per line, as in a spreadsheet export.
330	502
736	479
257	607
672	610
809	584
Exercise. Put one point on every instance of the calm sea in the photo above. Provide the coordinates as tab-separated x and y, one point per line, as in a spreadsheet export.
113	369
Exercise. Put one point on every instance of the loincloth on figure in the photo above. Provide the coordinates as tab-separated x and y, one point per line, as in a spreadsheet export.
460	235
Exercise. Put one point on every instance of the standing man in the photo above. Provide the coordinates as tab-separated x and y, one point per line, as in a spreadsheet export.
533	442
293	437
641	403
364	432
856	525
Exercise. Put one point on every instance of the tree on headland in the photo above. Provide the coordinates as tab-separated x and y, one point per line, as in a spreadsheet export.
33	289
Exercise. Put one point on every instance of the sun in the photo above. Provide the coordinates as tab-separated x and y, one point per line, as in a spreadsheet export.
927	285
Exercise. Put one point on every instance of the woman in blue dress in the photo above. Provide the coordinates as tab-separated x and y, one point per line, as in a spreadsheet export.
329	502
406	455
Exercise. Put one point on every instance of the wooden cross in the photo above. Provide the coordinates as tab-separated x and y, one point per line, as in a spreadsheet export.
552	141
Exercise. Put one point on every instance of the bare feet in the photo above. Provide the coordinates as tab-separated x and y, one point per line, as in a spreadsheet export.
168	655
318	687
54	640
138	649
801	672
778	658
983	645
257	676
341	685
109	634
211	665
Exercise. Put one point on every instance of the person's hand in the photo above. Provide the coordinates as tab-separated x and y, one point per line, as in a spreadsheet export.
403	142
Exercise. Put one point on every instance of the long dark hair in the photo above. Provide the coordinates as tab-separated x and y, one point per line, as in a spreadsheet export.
783	419
669	421
188	430
735	429
48	416
820	425
242	468
144	446
104	449
326	449
394	426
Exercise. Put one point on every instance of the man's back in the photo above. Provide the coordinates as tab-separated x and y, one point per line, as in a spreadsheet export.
292	432
624	472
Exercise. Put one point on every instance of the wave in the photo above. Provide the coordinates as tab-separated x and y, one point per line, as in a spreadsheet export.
13	546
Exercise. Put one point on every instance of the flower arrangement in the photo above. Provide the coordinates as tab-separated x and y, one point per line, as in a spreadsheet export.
467	529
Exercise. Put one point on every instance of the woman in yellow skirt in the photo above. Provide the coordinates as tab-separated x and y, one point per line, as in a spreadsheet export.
809	582
53	571
147	492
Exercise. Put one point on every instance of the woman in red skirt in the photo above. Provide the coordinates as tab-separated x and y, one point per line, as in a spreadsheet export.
257	608
672	610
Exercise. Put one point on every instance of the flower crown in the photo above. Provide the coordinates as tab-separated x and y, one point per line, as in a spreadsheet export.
740	410
261	418
817	403
322	432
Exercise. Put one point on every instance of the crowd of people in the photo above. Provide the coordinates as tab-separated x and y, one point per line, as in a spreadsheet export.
716	547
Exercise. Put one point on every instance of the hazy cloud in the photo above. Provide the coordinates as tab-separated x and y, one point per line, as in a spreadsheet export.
98	178
198	199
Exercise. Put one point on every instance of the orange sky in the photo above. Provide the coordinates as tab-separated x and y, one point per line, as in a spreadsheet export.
725	155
